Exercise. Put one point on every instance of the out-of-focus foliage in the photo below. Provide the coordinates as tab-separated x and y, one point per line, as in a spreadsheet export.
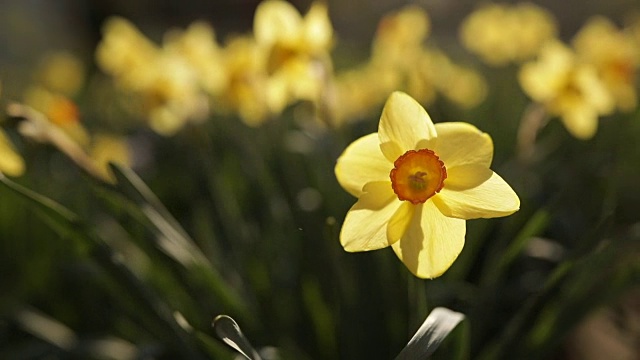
221	196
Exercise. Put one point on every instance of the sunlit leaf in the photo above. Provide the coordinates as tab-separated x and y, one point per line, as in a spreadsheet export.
440	322
229	332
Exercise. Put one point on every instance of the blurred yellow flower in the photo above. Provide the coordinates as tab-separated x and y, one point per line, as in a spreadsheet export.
124	52
10	162
297	49
567	88
396	62
358	92
615	55
401	61
401	35
398	48
59	109
61	72
171	80
416	184
245	65
107	149
197	44
500	33
463	86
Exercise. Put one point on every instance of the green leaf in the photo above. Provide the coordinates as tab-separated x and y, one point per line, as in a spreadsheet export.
152	309
174	241
229	332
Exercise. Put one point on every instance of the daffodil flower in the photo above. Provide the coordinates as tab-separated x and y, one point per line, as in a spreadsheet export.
568	88
416	184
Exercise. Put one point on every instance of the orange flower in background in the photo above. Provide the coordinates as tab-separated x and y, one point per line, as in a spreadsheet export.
416	184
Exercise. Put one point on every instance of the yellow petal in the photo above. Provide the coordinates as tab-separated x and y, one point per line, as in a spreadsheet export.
490	196
275	21
403	124
432	242
365	226
399	222
581	122
461	143
10	162
317	27
360	163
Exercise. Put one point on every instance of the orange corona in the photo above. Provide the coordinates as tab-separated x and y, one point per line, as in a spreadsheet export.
417	175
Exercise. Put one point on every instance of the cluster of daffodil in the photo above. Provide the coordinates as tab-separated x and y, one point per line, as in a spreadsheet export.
286	60
256	76
416	182
579	82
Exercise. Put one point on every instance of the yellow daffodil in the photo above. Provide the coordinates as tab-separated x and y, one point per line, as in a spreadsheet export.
416	184
500	33
297	49
569	89
615	55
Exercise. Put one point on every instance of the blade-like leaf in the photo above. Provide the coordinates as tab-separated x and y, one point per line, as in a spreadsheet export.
152	308
172	239
229	332
440	322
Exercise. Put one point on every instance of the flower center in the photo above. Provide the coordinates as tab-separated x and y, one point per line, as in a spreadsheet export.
417	175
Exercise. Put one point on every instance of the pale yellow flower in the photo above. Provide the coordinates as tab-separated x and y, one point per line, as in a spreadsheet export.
124	52
297	48
461	85
416	184
567	88
615	55
501	33
398	49
171	81
197	45
245	65
400	35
